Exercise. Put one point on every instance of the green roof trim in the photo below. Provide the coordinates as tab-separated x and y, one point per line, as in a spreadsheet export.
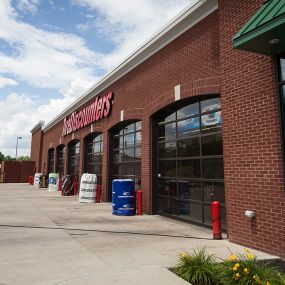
266	25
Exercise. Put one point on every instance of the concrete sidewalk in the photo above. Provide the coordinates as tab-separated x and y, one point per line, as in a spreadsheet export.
48	239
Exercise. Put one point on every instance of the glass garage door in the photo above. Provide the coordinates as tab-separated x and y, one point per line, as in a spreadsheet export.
127	153
74	159
190	172
93	155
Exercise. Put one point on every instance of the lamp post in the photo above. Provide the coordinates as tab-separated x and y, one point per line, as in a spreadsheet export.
18	138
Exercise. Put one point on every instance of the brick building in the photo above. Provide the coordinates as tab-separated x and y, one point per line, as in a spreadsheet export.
194	115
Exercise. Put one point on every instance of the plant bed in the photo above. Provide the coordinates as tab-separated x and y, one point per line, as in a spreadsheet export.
201	268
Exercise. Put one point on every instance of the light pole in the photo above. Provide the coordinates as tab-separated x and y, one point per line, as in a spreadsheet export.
18	138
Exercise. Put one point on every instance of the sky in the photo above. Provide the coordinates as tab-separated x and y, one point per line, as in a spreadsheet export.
52	51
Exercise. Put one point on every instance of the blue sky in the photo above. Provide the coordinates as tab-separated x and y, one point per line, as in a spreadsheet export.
51	51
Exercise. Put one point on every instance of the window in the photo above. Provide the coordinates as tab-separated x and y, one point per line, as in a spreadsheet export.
74	158
190	161
126	150
93	155
60	160
51	160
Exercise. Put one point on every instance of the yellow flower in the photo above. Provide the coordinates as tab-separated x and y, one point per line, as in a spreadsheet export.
250	256
255	277
237	265
246	250
267	283
183	254
233	257
246	270
235	268
237	275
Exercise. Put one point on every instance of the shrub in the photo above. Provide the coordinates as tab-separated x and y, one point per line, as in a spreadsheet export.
198	268
245	269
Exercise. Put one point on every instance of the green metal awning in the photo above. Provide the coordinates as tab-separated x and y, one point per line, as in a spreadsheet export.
265	32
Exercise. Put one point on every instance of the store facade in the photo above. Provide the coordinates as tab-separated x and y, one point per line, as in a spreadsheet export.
191	119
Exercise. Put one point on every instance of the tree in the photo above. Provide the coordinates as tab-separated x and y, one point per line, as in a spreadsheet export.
2	156
9	158
23	158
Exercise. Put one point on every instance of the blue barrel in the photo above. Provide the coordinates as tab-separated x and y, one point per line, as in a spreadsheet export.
124	199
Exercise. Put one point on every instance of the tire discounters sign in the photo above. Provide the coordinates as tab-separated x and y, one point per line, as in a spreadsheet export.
97	110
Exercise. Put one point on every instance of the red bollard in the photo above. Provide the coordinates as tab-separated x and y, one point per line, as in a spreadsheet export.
29	180
98	194
216	215
139	202
32	180
75	188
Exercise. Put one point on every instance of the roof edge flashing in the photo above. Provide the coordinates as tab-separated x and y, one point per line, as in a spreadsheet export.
40	124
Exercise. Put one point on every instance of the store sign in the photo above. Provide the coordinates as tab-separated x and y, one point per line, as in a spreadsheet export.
96	111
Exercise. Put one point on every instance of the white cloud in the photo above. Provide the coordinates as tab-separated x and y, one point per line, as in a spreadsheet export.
62	61
27	5
7	81
128	24
43	59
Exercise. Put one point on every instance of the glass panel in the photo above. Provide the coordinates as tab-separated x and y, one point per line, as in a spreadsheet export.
184	209
163	205
167	187
190	190
130	128
167	168
188	127
129	140
167	149
117	156
97	158
189	168
214	191
98	168
187	111
98	138
173	207
139	125
163	187
97	148
211	122
138	138
138	153
196	212
190	211
282	67
167	132
213	168
189	147
171	117
137	167
128	154
170	131
116	142
212	145
121	142
210	104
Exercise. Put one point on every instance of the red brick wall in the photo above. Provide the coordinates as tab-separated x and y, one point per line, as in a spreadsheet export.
150	87
36	148
203	61
251	134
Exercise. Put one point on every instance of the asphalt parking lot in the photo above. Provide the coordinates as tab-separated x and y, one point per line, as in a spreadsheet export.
48	239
